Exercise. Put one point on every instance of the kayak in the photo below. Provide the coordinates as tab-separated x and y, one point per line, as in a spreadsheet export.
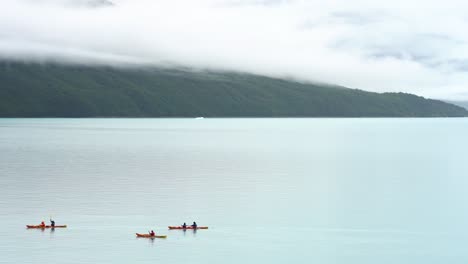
188	227
47	226
150	236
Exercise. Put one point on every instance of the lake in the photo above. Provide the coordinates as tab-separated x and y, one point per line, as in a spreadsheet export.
341	191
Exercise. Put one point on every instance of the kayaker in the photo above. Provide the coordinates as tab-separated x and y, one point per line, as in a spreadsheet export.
184	226
194	225
52	223
152	233
43	224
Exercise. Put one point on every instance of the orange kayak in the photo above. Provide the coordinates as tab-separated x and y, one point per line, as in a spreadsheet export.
187	228
150	236
47	226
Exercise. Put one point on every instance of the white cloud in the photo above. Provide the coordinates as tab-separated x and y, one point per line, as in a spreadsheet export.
409	46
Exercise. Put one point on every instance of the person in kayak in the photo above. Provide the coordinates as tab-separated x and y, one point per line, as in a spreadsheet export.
194	225
43	224
52	223
184	226
152	233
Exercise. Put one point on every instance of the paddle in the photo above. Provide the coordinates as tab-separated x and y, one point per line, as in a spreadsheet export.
50	219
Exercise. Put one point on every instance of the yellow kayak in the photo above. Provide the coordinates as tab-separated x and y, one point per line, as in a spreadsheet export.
150	236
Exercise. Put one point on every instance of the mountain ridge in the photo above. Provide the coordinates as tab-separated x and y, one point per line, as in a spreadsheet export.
463	104
59	90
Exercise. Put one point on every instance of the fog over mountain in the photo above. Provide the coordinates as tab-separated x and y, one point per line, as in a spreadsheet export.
409	46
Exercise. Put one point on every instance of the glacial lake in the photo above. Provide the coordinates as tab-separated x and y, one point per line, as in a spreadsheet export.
324	191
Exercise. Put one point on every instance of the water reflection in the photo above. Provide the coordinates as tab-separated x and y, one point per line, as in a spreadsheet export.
267	173
184	231
43	230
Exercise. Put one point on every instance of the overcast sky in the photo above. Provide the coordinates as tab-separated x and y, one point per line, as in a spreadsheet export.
415	46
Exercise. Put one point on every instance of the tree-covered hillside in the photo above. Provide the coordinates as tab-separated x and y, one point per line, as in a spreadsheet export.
463	104
54	90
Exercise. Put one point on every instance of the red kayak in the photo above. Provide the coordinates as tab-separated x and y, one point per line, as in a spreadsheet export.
188	227
47	226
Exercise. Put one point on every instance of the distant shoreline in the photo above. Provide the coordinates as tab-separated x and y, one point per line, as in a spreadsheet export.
248	117
66	91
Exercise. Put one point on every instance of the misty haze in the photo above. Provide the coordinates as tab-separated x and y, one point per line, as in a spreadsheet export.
233	131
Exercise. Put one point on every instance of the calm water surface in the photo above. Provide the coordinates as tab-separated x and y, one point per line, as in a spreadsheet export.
341	191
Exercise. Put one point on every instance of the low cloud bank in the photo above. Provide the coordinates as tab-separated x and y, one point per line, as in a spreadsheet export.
409	46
